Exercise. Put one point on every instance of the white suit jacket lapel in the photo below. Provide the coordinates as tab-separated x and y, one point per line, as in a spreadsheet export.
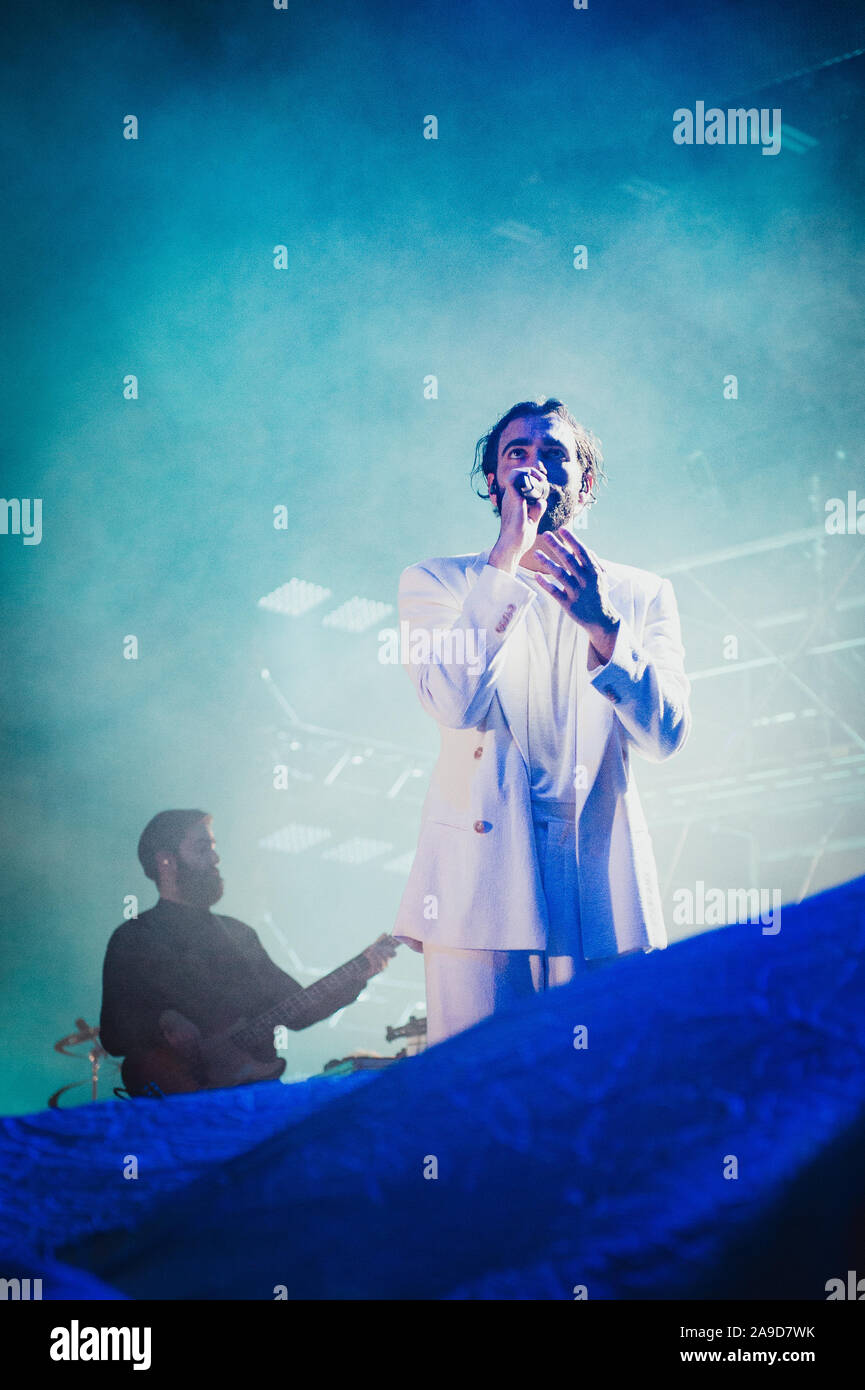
594	721
512	683
512	687
595	712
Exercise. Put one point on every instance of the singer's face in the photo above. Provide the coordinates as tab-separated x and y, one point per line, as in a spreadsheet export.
545	442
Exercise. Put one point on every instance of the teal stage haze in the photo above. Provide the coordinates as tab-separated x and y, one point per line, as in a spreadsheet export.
712	339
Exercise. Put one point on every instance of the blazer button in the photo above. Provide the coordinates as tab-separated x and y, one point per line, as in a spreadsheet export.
479	752
483	826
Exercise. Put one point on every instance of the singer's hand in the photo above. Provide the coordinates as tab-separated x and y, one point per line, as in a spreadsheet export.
575	577
519	518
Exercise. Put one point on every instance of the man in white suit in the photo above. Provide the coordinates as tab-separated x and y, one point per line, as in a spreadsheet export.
543	667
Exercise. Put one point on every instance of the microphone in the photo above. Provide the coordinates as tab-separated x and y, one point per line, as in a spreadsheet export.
531	488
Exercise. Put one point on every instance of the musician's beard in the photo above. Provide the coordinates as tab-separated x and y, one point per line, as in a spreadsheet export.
199	887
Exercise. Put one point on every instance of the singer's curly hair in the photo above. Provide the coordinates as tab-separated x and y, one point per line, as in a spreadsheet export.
588	448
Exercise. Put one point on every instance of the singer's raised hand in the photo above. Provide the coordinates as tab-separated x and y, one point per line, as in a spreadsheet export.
575	577
520	518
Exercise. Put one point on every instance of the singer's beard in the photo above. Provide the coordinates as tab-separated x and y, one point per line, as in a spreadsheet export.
199	887
563	503
562	507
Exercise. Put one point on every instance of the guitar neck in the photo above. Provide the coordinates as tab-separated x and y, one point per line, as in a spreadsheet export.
301	1006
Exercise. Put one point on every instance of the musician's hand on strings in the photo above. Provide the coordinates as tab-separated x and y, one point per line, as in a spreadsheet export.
180	1033
380	952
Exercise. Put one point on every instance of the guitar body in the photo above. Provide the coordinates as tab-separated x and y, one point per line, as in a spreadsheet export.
222	1063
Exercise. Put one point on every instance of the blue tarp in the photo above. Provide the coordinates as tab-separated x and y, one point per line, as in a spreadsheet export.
716	1077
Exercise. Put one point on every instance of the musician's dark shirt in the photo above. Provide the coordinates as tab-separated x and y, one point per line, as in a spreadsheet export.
212	969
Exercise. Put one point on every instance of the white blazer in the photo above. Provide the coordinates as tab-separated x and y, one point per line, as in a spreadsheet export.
475	881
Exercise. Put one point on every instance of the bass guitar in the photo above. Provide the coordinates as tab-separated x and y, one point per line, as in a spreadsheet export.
225	1058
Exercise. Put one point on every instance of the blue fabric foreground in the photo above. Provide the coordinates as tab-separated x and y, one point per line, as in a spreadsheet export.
557	1166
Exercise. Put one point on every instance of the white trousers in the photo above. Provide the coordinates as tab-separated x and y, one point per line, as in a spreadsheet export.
464	986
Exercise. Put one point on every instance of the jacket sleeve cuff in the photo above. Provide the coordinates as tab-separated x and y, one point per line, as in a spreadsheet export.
617	677
501	585
495	607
